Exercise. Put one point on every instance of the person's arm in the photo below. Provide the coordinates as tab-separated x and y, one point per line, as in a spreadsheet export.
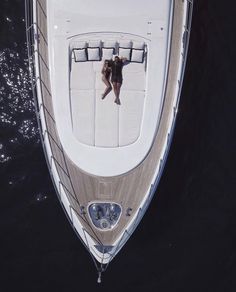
123	59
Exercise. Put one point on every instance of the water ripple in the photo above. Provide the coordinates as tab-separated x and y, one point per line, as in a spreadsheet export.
4	157
16	100
28	129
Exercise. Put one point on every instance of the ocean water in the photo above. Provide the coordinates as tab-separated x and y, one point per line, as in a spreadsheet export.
187	239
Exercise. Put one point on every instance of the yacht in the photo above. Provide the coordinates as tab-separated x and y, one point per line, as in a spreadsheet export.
106	155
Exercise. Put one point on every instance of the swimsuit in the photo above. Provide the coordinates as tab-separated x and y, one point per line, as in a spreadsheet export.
107	74
116	69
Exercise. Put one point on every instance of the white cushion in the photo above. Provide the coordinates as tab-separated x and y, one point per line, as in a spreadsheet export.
138	45
130	116
133	81
125	44
137	56
125	53
107	53
134	68
94	44
106	120
99	84
80	55
82	75
109	44
94	54
82	106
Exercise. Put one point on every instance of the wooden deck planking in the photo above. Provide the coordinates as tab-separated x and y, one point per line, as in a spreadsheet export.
128	189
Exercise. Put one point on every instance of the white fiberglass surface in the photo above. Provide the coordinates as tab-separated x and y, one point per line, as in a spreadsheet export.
123	148
113	9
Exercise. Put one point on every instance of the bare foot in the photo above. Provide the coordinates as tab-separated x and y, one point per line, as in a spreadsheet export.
117	101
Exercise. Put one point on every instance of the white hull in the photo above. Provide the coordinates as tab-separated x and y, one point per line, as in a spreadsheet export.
102	155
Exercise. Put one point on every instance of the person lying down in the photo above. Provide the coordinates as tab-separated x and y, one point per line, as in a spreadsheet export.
112	73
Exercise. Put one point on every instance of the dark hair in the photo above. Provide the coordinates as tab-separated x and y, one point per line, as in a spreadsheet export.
106	61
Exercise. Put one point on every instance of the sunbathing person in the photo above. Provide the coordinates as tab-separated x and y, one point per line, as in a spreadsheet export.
106	73
116	76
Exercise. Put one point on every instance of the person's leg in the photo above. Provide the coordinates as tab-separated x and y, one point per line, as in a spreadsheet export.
115	88
117	93
108	88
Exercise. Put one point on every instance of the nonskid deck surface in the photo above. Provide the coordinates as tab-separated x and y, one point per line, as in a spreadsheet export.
79	189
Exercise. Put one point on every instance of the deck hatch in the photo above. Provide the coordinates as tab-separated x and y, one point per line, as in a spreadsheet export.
104	215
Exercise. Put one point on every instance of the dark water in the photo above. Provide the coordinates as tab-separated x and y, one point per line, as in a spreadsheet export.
187	239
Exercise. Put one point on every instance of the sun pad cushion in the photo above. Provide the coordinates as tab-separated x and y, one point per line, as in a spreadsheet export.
130	116
107	53
82	75
137	56
82	104
106	120
102	123
94	54
80	55
125	53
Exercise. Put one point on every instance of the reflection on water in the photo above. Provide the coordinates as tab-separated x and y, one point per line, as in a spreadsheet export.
40	197
17	117
20	146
